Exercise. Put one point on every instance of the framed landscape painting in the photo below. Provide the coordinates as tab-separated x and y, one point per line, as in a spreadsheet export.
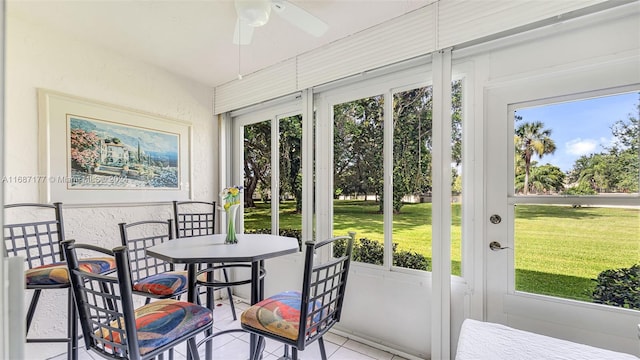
95	153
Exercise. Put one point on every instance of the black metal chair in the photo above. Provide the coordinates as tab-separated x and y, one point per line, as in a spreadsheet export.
111	325
298	318
35	232
196	218
152	277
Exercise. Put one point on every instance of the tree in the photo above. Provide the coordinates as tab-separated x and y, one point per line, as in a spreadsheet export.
344	131
616	168
257	160
358	146
543	179
625	152
456	122
291	158
627	133
359	139
532	139
412	134
581	188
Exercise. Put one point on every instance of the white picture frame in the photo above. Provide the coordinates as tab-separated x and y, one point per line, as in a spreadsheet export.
98	153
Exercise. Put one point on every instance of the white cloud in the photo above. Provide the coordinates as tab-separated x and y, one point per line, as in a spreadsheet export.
581	147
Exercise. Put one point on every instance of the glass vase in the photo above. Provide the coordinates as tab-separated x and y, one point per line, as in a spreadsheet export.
231	237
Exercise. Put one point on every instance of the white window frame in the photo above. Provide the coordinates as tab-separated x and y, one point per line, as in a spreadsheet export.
385	85
513	199
273	114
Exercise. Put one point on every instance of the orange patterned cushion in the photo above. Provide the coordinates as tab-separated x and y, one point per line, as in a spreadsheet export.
58	273
279	314
159	323
167	283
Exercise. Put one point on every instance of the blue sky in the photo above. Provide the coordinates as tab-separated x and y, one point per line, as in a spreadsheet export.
581	127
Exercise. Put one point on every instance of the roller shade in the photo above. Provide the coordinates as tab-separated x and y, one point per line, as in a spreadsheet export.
461	21
399	39
439	25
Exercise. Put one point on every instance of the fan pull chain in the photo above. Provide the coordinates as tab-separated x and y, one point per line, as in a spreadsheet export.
239	45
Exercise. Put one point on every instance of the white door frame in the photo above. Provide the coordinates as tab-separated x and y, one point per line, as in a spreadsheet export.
573	320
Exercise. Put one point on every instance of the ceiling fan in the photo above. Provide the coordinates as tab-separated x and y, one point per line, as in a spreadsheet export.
255	13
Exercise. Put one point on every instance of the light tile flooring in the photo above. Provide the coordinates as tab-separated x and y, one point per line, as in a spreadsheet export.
235	346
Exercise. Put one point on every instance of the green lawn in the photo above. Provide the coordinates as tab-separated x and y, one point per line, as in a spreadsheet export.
559	249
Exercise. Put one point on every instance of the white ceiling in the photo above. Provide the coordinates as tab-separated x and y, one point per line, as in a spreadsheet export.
194	38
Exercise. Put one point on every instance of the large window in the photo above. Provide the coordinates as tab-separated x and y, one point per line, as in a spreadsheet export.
359	175
272	171
394	228
456	176
577	230
257	177
290	175
412	177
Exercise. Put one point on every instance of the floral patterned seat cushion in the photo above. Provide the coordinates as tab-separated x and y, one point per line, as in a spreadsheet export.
161	322
58	273
163	284
278	314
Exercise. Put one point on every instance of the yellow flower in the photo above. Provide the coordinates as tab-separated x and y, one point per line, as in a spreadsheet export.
230	196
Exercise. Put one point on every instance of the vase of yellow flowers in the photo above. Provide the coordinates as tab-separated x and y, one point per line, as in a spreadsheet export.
230	198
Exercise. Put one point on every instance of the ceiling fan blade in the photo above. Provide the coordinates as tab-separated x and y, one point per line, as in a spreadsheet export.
300	18
243	33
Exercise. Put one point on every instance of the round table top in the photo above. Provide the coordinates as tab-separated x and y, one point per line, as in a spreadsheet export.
212	249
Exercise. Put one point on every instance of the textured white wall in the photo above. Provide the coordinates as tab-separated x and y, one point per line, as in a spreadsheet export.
38	57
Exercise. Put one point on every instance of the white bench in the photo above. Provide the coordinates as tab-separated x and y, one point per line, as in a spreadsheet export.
488	341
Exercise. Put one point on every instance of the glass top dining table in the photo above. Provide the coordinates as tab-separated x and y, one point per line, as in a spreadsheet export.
210	249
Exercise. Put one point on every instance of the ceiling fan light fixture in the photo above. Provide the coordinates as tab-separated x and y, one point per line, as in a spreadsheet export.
254	12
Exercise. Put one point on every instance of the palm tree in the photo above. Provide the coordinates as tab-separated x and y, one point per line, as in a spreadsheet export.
531	139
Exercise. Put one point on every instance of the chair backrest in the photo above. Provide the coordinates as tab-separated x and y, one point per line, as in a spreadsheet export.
194	218
323	289
139	236
34	231
104	303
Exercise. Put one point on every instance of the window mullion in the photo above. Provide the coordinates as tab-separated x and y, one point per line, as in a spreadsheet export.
275	174
388	180
307	164
441	206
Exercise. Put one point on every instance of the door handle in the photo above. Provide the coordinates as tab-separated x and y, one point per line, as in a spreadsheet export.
496	246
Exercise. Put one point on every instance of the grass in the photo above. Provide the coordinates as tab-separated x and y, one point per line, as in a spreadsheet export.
559	249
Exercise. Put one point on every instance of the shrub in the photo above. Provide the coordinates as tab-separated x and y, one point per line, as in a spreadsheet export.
368	251
294	233
339	248
583	188
410	260
372	252
618	287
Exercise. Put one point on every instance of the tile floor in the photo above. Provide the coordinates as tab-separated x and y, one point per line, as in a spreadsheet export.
235	346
